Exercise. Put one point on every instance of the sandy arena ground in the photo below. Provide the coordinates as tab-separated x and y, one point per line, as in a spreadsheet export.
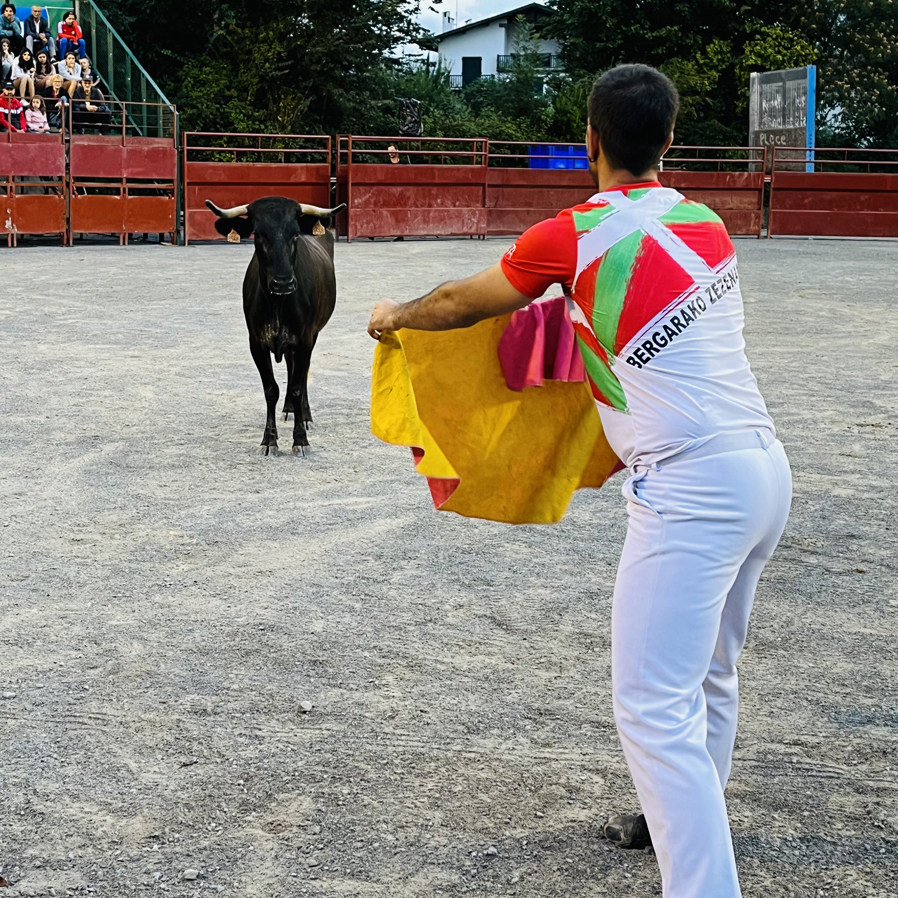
169	598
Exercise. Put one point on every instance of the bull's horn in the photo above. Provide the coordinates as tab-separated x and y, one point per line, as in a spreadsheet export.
236	212
319	212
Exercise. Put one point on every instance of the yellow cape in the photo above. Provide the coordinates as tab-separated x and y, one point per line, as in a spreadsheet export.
488	452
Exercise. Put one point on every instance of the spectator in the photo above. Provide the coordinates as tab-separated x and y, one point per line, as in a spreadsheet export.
56	99
7	60
43	69
11	112
87	70
23	73
11	27
70	71
36	116
89	106
37	33
70	36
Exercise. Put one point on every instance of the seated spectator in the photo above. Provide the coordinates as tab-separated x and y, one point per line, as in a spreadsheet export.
89	107
69	35
37	33
11	113
23	74
7	60
43	69
87	69
36	116
70	71
11	27
56	100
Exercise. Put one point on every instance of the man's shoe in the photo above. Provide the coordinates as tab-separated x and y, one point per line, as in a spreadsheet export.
628	832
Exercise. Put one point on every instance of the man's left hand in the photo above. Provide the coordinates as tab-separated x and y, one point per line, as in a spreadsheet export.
382	318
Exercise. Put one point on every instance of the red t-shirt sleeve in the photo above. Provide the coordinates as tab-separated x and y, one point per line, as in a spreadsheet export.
543	255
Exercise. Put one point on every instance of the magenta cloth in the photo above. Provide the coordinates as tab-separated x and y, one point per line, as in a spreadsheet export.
539	344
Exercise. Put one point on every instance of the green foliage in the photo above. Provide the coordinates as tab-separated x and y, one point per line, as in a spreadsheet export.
328	66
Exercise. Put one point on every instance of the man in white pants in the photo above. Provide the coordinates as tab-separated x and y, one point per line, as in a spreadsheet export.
654	295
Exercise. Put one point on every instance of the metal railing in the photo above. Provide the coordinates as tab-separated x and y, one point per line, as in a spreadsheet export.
720	159
353	150
122	75
835	159
457	82
213	146
548	61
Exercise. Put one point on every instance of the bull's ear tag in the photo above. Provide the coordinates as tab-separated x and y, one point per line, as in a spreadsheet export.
233	237
318	230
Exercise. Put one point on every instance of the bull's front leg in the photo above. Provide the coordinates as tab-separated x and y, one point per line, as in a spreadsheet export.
262	357
299	396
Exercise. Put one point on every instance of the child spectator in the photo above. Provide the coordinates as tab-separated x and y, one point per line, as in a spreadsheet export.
89	106
70	36
11	27
43	69
36	116
11	112
70	71
87	70
37	33
56	100
23	74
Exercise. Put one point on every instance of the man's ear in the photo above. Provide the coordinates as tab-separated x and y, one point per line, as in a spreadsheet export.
667	146
242	225
592	144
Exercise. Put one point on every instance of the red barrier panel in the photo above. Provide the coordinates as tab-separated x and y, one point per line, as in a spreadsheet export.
32	184
125	183
426	187
733	186
851	199
518	196
235	169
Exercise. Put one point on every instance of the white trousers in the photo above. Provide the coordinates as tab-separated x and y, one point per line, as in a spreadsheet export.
700	530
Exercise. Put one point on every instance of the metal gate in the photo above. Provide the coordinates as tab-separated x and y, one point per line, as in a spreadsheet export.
421	187
33	184
235	169
847	193
123	183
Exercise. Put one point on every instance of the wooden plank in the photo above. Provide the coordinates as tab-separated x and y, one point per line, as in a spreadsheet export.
417	222
835	201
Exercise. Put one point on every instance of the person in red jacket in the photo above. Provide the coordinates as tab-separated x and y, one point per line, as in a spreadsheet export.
12	116
70	38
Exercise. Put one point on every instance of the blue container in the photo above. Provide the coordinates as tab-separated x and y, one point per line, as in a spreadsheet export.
560	157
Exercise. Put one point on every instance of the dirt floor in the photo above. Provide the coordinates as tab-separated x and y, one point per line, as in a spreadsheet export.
169	599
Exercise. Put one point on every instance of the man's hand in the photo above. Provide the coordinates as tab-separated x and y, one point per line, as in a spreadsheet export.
382	318
451	305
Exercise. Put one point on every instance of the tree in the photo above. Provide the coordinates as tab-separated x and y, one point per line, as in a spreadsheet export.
288	65
856	42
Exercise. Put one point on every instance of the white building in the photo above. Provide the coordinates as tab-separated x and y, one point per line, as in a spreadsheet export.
484	49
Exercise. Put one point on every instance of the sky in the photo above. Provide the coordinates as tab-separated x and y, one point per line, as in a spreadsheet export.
431	14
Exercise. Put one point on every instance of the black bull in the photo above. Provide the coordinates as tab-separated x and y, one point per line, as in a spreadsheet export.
289	294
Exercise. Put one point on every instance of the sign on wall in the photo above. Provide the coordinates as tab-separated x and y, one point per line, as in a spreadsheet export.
782	108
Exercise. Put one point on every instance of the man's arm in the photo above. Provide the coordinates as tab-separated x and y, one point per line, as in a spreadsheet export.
451	305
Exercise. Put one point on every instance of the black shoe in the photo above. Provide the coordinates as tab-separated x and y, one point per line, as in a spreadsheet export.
628	832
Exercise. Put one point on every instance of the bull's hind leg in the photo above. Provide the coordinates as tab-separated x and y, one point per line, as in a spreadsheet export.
262	358
301	358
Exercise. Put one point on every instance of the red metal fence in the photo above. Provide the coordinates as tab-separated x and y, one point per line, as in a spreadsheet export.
124	182
235	169
730	180
518	195
32	185
433	187
848	193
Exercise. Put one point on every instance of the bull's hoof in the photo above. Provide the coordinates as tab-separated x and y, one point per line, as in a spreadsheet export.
301	450
269	449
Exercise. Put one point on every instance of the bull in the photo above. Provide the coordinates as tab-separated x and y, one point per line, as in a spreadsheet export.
289	294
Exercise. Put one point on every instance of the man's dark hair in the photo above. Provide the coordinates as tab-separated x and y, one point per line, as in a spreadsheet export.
632	109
